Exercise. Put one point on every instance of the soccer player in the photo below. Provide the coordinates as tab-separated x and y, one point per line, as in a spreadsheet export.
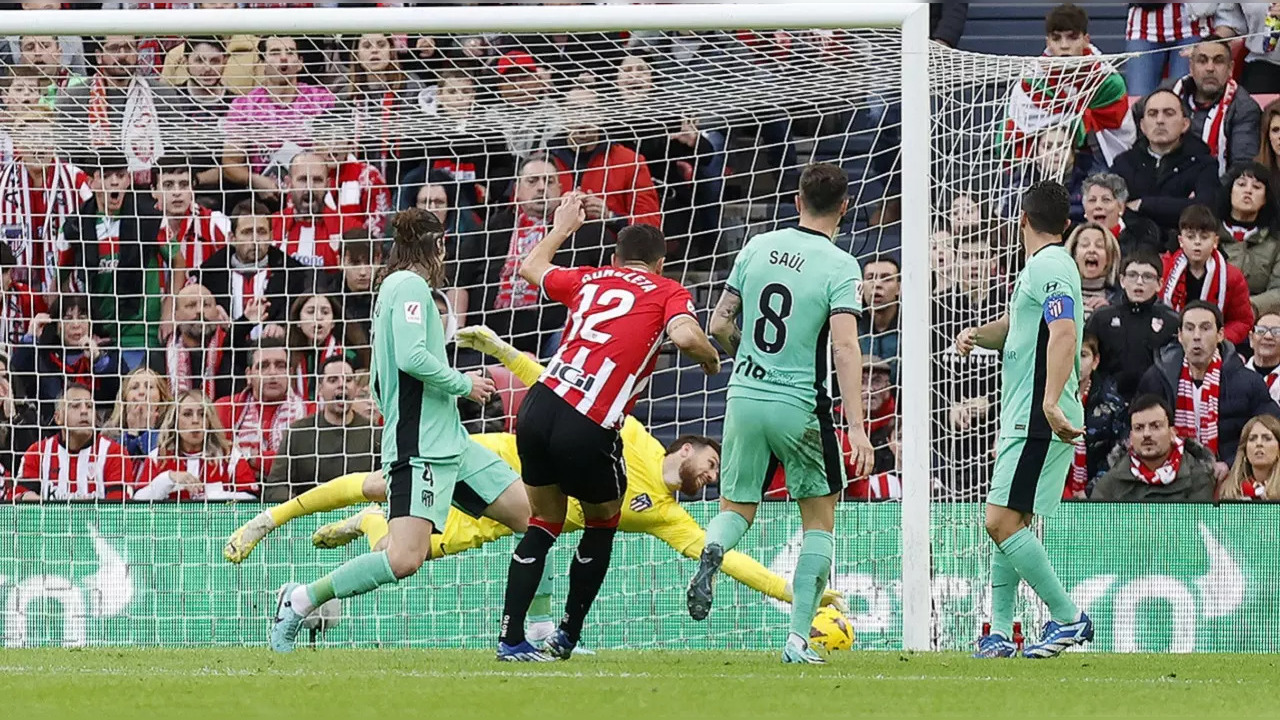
654	474
425	450
567	428
1040	417
794	289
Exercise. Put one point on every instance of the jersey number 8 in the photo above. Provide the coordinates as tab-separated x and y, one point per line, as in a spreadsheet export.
772	320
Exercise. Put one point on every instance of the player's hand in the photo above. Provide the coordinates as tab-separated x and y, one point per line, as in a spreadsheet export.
862	456
835	599
482	387
711	367
481	339
965	342
570	214
1059	424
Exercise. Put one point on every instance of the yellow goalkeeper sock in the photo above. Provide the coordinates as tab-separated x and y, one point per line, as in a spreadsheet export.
339	492
374	527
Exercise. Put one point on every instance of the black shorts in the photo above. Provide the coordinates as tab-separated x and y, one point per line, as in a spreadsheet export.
560	446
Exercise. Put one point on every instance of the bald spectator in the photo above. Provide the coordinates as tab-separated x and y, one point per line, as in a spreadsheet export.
198	355
266	127
614	178
497	295
1170	168
309	229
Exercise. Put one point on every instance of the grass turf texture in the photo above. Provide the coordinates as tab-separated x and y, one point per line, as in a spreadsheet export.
253	683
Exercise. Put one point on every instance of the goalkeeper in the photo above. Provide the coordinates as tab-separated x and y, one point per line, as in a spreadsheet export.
650	507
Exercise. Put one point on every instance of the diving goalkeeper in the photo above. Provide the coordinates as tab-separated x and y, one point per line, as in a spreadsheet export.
654	474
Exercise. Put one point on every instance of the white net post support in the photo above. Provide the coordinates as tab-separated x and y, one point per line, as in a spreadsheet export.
906	41
916	299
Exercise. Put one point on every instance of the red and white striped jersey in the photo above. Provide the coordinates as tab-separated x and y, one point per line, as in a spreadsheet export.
618	320
199	235
220	476
1169	23
100	470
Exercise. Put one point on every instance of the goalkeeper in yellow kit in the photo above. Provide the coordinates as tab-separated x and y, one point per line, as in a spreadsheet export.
654	474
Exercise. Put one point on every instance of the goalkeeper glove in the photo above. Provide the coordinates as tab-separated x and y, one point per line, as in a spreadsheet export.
830	596
482	339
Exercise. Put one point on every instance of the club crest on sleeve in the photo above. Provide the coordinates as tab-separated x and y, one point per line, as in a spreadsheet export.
413	312
641	502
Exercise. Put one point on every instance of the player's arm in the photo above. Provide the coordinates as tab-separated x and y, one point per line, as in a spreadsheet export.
990	336
724	321
410	313
1060	359
482	339
687	335
569	217
847	356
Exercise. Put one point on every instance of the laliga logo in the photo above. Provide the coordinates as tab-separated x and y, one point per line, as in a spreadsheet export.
1216	594
102	594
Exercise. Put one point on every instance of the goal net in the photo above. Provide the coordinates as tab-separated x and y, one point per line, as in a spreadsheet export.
204	218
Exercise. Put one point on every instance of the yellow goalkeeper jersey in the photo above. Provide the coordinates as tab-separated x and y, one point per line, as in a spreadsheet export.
650	506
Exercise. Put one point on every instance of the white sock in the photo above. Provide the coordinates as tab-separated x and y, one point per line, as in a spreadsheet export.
797	642
300	601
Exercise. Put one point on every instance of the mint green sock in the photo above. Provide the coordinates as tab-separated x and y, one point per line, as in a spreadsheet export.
1028	558
540	608
356	576
726	529
1004	590
812	570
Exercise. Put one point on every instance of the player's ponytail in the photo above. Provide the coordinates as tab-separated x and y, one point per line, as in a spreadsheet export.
418	246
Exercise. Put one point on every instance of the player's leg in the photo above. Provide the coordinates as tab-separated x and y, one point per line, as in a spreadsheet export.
1024	484
340	492
588	569
809	450
748	468
526	572
420	495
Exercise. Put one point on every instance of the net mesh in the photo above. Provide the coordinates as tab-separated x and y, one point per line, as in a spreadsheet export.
179	202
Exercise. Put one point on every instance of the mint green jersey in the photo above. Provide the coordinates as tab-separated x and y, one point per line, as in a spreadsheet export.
1047	289
416	390
791	282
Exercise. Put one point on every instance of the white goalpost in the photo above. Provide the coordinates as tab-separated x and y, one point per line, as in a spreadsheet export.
740	96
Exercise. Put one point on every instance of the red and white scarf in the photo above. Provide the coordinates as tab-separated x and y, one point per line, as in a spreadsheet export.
1239	233
1163	475
1251	489
513	291
177	360
250	432
1270	378
246	284
139	135
200	234
88	466
364	198
1118	227
312	241
35	232
1079	478
1202	429
304	374
1214	132
1214	289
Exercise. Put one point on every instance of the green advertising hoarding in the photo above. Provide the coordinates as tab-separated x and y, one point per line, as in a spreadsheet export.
1177	578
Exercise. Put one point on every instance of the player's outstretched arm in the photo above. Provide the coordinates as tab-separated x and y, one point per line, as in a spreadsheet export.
569	217
688	336
724	322
990	336
482	339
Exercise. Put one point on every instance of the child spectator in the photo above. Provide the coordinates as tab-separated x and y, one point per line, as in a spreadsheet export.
1250	237
67	353
1255	475
1132	332
1106	423
1198	271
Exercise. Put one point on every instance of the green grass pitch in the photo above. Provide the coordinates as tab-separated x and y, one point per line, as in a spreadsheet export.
241	684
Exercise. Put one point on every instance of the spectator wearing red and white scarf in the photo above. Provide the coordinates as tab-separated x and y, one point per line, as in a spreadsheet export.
195	231
317	334
1222	113
1250	234
1205	380
309	229
198	355
1255	475
78	463
488	270
195	459
257	418
1161	466
39	193
1199	271
1162	26
1106	423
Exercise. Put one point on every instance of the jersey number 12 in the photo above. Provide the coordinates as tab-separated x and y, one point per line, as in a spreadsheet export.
592	311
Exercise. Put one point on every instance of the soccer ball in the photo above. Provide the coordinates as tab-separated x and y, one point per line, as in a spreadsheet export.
831	631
